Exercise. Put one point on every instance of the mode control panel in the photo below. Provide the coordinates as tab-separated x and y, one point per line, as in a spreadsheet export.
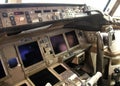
15	15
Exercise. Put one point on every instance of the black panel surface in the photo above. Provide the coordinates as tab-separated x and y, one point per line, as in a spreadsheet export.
59	69
43	77
2	71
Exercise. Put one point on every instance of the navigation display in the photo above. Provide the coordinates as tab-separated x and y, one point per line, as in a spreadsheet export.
30	54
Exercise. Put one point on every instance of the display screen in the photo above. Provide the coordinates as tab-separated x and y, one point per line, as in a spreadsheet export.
30	54
18	13
38	11
24	84
2	71
12	62
71	39
43	77
58	43
59	69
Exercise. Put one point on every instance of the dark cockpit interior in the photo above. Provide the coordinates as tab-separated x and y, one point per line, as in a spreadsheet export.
59	44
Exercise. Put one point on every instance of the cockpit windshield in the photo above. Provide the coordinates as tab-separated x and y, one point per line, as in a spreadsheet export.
117	12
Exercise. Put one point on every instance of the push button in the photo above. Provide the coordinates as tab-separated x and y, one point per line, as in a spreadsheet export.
4	14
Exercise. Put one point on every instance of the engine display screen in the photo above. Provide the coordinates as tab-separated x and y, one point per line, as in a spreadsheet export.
72	39
58	43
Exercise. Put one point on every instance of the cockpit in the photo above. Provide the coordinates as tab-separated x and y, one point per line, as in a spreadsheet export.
49	43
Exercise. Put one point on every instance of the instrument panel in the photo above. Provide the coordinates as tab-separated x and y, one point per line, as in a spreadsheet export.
31	53
40	51
30	57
